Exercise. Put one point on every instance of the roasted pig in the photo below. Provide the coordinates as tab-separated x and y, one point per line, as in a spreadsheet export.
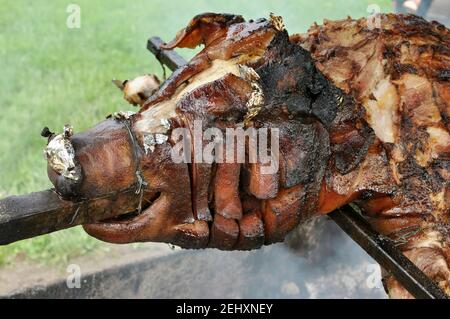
347	113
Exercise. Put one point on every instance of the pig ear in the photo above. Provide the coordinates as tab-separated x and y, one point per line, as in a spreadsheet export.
203	29
119	83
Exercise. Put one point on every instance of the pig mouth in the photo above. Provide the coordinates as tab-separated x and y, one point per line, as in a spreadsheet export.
123	219
131	216
129	226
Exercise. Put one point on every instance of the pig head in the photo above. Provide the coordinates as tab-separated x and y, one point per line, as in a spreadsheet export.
248	75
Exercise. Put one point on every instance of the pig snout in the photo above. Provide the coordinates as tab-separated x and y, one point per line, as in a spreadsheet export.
93	163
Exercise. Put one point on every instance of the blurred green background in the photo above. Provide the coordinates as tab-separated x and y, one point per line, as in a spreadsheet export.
52	75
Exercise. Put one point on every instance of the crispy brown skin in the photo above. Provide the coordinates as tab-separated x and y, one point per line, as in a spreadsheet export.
362	117
403	67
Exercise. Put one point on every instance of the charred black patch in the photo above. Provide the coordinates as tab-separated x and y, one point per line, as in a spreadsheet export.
413	137
325	103
287	75
304	150
289	78
350	136
352	151
405	68
417	184
304	104
441	169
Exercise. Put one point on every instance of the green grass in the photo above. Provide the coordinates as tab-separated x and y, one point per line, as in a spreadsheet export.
52	75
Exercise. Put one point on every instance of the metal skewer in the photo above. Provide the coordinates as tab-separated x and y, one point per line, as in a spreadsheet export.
383	250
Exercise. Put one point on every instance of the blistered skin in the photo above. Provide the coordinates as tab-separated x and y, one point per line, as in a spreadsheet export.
362	116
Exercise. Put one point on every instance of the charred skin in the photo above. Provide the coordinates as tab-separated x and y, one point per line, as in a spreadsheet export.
399	76
330	93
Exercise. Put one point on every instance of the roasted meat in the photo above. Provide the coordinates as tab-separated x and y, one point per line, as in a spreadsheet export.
261	131
398	75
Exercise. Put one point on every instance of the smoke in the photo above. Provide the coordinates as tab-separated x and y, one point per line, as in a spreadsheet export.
318	260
